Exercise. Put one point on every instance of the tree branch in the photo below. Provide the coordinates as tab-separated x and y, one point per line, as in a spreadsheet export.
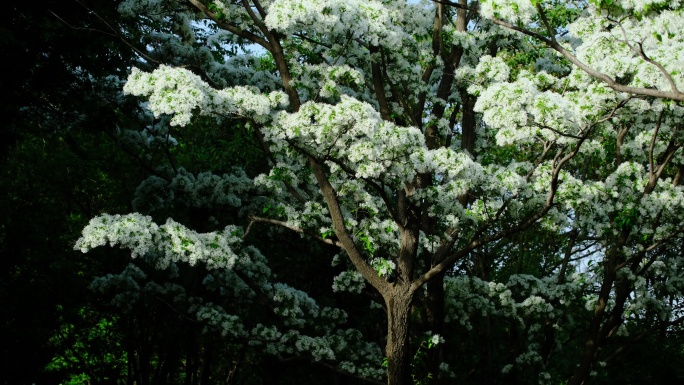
643	55
476	243
232	28
378	84
651	170
255	219
610	82
359	261
114	33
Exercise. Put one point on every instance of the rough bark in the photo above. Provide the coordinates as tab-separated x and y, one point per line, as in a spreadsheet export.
398	351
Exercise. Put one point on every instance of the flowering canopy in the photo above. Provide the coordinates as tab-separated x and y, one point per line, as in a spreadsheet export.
414	135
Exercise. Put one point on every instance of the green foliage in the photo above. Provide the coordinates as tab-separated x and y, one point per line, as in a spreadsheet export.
217	11
89	348
368	246
421	375
48	194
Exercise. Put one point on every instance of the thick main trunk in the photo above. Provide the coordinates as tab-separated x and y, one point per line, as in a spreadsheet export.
398	350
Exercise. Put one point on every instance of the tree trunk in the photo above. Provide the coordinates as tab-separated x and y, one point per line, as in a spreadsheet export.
398	350
596	333
468	123
434	310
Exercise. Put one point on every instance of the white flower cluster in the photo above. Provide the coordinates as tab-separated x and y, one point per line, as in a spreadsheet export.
242	70
296	326
215	316
355	356
204	190
155	133
523	112
602	191
137	7
523	298
352	131
488	70
349	280
294	306
171	242
606	46
532	303
655	290
383	266
436	339
179	92
127	285
370	18
327	81
512	10
130	288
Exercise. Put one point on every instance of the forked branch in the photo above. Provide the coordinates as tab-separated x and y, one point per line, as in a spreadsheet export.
673	94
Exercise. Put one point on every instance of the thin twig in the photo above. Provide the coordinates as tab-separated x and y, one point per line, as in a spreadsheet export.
288	226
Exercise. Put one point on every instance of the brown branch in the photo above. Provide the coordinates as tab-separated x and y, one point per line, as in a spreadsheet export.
651	171
232	28
620	139
545	20
653	179
355	255
163	301
637	338
610	82
379	189
259	8
259	23
255	219
643	55
678	176
378	85
650	248
474	244
310	40
561	133
547	148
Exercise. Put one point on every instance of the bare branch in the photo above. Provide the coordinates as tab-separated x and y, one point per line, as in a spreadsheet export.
259	23
259	8
113	33
561	133
549	29
254	219
231	27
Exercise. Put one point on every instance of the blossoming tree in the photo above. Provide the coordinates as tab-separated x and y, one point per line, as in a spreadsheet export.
423	139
